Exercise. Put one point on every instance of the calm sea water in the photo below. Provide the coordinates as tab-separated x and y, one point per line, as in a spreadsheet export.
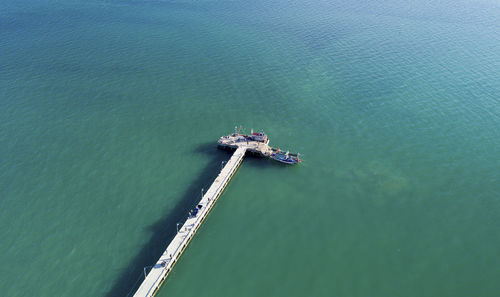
109	113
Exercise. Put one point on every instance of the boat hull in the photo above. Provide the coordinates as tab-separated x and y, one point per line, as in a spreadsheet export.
289	160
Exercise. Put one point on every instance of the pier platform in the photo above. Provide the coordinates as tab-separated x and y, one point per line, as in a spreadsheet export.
167	260
261	148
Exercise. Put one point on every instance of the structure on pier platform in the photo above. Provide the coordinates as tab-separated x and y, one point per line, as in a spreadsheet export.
257	143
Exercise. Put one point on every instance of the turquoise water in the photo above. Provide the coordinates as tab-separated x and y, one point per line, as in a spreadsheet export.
110	111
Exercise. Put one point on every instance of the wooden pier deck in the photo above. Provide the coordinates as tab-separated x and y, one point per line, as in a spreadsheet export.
167	260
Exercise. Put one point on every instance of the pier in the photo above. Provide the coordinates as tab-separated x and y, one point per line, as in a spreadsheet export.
167	260
256	143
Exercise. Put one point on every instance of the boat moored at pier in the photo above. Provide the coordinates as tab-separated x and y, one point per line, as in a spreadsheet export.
285	157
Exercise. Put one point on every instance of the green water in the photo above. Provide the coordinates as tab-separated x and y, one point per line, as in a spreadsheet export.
110	111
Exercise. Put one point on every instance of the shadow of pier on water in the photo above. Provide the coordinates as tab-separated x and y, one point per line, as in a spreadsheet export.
164	230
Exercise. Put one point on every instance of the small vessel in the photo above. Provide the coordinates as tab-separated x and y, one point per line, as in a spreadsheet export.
258	136
286	158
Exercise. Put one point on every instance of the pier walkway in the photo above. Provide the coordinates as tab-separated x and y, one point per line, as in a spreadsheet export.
167	260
